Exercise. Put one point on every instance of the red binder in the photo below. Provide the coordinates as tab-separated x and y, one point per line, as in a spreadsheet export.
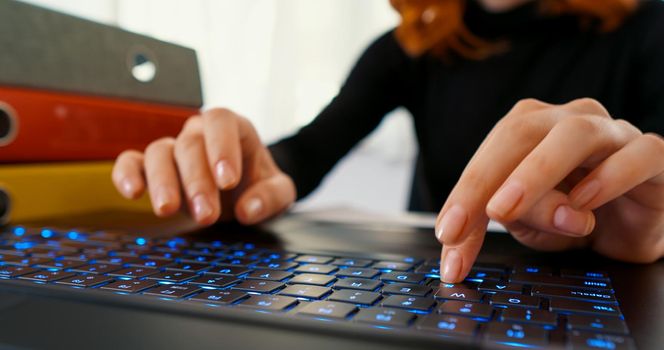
38	125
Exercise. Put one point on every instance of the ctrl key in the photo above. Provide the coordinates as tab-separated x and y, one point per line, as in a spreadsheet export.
384	317
448	325
132	286
220	296
592	341
328	309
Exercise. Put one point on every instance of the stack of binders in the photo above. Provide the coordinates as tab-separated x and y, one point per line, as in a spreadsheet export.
73	95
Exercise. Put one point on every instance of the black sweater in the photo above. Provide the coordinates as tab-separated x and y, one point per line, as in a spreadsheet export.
455	104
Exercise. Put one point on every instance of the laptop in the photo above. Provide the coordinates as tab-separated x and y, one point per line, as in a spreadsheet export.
114	280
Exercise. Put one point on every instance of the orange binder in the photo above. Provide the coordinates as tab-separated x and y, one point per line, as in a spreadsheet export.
37	125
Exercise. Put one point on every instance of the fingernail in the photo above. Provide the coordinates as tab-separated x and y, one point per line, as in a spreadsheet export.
253	207
451	225
163	199
583	195
506	199
224	173
451	266
127	187
202	207
569	220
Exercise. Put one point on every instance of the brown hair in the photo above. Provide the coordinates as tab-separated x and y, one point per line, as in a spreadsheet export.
436	26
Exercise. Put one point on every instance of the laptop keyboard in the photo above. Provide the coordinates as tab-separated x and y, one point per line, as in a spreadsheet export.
506	306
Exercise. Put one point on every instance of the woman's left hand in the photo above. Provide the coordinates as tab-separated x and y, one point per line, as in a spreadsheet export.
559	177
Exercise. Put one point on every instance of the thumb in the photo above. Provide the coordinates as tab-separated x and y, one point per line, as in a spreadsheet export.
265	198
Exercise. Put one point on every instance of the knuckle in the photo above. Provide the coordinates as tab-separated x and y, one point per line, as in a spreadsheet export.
220	113
160	144
192	124
528	104
654	141
590	105
585	123
129	155
185	142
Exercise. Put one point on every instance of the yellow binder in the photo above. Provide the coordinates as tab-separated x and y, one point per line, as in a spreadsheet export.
36	191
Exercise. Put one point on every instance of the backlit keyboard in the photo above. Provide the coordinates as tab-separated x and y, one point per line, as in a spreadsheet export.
505	306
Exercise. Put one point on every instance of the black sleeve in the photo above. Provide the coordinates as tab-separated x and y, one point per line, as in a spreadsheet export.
374	87
650	69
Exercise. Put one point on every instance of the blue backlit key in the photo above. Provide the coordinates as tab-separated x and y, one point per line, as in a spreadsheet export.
574	306
197	259
258	286
406	289
355	297
312	278
228	270
592	341
117	260
316	268
269	275
188	267
134	272
535	279
172	276
518	335
456	293
358	272
220	296
600	275
575	293
467	309
314	259
97	268
533	270
482	275
173	291
305	291
327	309
500	287
596	324
214	281
520	315
357	283
402	277
150	263
350	262
19	261
429	270
448	325
408	302
277	265
269	302
85	281
527	301
46	276
392	266
15	271
132	286
384	317
61	264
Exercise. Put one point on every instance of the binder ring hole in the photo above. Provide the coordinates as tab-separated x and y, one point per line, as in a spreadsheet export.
8	125
142	66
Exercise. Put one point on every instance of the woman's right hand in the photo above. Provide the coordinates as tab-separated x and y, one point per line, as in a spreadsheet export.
217	165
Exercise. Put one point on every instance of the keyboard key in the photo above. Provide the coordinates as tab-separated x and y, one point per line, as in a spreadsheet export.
314	259
574	306
134	272
259	286
408	302
384	317
429	269
220	296
273	255
500	287
117	260
574	293
596	324
269	302
228	270
596	275
402	277
168	256
305	291
355	297
592	341
392	265
19	261
467	309
515	300
269	275
172	276
85	281
351	262
151	264
315	279
533	270
519	315
328	309
522	334
559	281
132	286
97	268
277	265
61	264
198	259
188	267
357	283
316	268
47	276
358	272
214	281
15	271
448	325
173	291
406	289
481	275
458	294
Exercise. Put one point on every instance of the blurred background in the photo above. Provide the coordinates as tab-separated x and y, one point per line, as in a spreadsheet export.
279	63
